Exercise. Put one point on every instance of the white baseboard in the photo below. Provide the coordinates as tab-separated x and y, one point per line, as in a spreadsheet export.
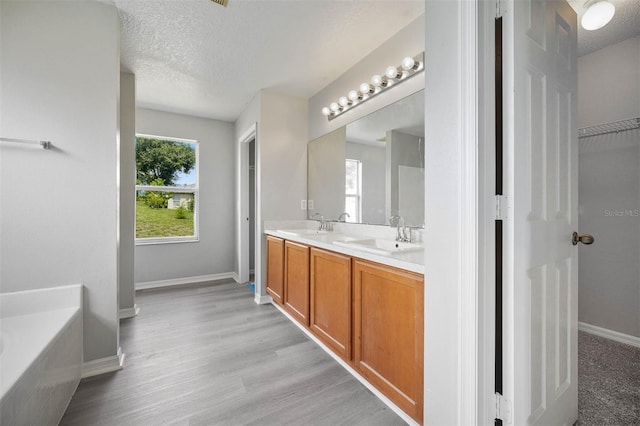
236	277
103	365
262	300
350	369
183	281
610	334
129	312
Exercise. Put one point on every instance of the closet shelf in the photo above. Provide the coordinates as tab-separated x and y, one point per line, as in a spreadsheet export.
613	127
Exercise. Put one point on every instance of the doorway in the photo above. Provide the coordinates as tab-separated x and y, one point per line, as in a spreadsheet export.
609	152
609	271
247	206
607	155
251	214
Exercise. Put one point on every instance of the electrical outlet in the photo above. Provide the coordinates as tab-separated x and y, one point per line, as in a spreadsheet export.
303	204
310	204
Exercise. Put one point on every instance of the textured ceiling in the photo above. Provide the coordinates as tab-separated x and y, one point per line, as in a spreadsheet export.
625	24
198	58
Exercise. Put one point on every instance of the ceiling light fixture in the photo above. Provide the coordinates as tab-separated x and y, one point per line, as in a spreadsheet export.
366	89
597	15
393	72
378	81
355	96
392	76
344	102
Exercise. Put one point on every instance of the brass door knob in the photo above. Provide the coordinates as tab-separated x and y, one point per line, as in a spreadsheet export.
584	239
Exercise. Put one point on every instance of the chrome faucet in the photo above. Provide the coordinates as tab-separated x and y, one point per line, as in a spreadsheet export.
323	224
341	217
403	234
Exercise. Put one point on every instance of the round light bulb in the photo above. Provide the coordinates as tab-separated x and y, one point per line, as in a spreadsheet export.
334	107
344	101
326	111
354	96
409	63
597	15
366	88
378	81
392	72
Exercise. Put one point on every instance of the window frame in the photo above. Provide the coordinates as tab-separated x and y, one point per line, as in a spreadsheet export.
175	189
358	195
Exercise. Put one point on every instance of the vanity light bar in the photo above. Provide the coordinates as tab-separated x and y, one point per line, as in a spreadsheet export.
378	84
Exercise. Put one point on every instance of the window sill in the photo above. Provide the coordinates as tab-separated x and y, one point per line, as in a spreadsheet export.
165	240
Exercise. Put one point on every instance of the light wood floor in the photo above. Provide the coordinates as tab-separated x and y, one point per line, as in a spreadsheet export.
207	354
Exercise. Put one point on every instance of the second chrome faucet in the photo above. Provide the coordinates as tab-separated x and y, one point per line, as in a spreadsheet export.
403	233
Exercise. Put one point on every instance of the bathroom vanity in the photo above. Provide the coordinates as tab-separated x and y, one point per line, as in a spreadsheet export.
365	306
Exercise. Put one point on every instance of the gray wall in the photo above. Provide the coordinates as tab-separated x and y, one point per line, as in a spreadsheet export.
608	84
282	156
402	150
59	218
214	253
126	253
326	174
407	42
609	90
281	164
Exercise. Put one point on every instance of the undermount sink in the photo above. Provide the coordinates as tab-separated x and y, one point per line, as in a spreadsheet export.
380	246
301	232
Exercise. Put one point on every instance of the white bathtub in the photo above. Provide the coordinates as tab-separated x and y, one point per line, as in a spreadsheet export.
40	353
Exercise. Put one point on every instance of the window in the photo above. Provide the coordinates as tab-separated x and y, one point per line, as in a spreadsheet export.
166	190
353	190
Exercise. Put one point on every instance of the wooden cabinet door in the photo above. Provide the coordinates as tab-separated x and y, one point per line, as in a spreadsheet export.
275	269
331	300
388	332
296	281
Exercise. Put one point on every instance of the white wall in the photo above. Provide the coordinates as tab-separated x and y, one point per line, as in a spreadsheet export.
126	253
609	90
609	84
58	226
214	253
407	42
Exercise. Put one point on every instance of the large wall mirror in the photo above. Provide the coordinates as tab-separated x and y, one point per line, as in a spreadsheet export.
373	168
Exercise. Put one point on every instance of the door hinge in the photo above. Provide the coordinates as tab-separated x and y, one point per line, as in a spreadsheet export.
503	408
502	207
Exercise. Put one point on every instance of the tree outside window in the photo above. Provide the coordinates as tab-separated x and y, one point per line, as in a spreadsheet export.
166	189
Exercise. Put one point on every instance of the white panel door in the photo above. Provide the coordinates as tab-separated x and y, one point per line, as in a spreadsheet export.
542	168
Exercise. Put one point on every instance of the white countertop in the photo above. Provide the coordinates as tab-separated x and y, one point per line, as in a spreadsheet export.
412	261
